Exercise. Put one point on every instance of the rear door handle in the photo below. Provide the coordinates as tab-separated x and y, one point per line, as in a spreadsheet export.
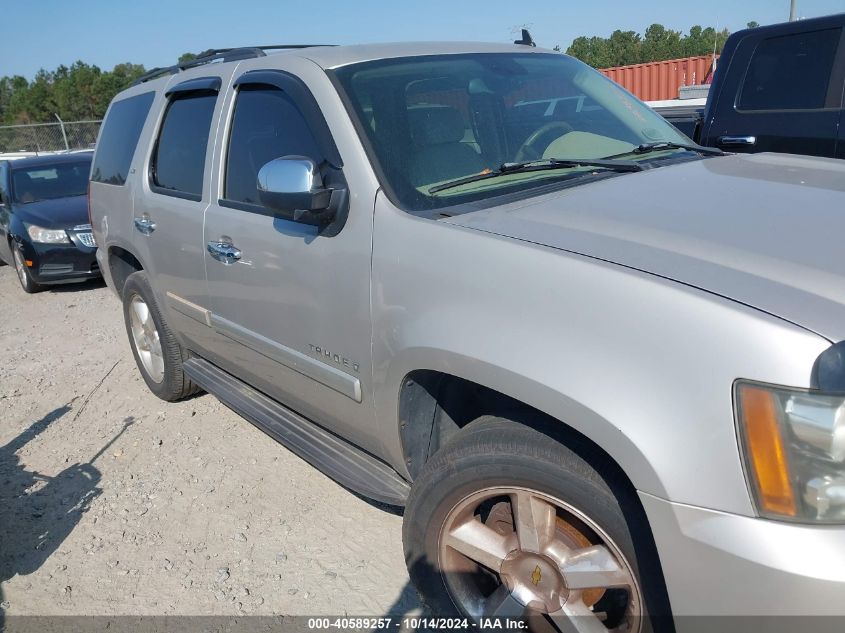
224	251
737	140
145	225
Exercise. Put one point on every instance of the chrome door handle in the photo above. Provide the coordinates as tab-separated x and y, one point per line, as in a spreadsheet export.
145	225
737	140
224	251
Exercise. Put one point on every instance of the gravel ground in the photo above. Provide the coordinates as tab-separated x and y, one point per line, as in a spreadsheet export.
113	502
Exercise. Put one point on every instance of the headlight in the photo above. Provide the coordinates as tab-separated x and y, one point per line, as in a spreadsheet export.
793	444
46	236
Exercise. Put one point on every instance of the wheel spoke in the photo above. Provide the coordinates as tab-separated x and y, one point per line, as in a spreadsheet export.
155	342
593	567
480	543
142	313
534	519
502	604
576	617
156	362
147	340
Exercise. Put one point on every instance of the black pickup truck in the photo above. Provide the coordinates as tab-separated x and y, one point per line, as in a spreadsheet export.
777	88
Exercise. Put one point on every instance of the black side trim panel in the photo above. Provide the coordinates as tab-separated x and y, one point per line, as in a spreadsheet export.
340	460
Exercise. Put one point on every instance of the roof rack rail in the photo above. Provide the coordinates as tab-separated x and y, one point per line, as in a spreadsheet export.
218	54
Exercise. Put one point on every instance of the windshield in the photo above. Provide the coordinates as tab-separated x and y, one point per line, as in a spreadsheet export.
435	119
49	181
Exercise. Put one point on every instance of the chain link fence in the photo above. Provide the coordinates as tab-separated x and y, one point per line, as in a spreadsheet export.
48	137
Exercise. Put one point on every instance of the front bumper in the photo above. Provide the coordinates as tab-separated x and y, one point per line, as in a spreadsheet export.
719	564
61	263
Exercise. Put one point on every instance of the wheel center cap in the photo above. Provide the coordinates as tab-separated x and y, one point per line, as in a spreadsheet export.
534	580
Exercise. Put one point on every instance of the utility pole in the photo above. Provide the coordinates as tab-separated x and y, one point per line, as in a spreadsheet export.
64	136
792	10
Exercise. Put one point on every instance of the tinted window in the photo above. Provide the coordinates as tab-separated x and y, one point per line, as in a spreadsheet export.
119	138
179	158
46	182
266	125
791	72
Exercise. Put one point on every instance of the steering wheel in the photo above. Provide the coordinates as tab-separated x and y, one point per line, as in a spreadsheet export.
528	151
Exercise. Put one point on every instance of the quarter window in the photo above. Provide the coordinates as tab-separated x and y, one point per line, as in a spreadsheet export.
179	160
266	125
791	72
119	137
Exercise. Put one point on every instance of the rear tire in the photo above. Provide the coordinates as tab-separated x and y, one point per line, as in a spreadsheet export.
470	551
156	349
29	285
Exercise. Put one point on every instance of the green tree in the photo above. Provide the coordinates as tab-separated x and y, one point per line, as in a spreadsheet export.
661	43
656	44
75	92
590	50
624	47
6	91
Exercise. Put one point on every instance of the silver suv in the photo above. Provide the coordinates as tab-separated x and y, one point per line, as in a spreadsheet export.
600	367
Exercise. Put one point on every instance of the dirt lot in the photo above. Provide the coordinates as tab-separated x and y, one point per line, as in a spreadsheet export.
113	502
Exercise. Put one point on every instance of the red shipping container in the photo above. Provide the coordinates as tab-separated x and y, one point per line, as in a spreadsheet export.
655	81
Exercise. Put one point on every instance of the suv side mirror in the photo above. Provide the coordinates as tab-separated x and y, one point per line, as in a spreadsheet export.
292	187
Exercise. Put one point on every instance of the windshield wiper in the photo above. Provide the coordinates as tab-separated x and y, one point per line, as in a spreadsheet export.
541	165
657	146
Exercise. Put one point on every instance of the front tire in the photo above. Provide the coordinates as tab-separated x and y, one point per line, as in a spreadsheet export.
506	521
29	285
156	349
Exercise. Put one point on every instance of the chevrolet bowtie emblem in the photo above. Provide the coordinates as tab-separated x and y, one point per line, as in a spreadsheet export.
536	575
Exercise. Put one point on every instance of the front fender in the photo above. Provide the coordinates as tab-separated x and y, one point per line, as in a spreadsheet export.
641	365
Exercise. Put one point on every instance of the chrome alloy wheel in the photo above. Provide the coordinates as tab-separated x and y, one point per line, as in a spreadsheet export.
146	339
514	552
20	266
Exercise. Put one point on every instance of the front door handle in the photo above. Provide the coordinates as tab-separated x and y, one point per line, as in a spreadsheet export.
145	225
737	140
224	251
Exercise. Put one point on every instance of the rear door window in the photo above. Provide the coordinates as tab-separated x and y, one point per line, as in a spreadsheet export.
119	138
792	72
179	158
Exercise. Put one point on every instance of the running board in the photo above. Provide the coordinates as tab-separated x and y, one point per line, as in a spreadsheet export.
347	464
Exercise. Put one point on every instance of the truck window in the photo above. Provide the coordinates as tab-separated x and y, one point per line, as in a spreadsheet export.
266	125
119	137
792	72
179	159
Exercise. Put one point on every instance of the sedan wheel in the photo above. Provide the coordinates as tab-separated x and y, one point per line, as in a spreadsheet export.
27	283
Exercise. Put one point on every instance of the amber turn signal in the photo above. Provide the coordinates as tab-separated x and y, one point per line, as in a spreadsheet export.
767	456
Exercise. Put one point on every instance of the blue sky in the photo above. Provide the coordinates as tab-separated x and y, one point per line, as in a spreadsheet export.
46	33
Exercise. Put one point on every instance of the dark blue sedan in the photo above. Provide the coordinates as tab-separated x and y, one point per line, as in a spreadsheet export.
44	229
